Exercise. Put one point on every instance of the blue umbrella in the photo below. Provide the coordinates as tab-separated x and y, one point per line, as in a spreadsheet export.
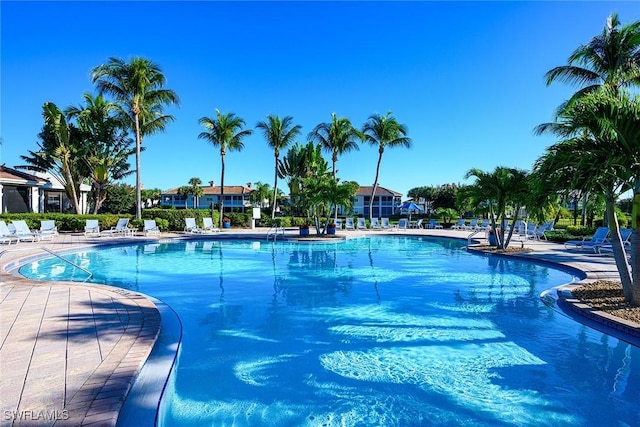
411	207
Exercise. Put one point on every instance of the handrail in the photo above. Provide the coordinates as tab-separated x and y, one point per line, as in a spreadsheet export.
68	261
473	234
274	230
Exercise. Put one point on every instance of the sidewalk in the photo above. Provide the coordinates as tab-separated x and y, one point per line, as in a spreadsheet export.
69	352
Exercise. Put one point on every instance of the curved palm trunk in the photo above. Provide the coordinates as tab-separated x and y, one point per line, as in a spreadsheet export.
275	190
375	183
620	255
635	244
222	190
138	184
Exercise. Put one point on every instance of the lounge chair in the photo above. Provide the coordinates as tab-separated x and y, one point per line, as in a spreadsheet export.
484	225
599	238
348	224
207	225
150	227
403	224
435	225
375	224
6	236
460	225
625	236
361	224
48	230
416	224
385	224
547	226
121	229
22	231
191	226
92	228
472	225
338	223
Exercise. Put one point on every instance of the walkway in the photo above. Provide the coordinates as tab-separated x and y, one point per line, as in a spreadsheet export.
69	352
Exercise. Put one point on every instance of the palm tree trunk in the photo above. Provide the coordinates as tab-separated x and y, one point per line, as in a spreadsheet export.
72	188
138	184
222	190
275	190
375	185
635	244
619	253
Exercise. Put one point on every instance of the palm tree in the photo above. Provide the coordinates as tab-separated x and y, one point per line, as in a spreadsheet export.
383	131
279	134
138	88
337	137
196	189
226	132
108	145
611	58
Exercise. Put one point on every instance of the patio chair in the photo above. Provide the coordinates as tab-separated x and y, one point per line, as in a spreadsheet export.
459	225
361	224
416	224
208	226
625	236
472	225
121	229
22	231
547	226
190	226
484	225
150	227
375	224
403	224
599	238
348	224
92	228
435	225
385	224
48	229
338	223
6	236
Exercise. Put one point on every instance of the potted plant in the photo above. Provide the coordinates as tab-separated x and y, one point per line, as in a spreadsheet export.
331	228
491	236
226	222
304	229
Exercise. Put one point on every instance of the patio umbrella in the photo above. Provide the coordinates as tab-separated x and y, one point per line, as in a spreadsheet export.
411	207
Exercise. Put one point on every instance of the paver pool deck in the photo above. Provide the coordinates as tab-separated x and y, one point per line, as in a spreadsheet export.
70	352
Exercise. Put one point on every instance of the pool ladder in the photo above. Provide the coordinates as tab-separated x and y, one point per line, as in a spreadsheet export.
274	230
90	274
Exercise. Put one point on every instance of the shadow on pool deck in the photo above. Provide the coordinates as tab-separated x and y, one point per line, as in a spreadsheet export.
70	352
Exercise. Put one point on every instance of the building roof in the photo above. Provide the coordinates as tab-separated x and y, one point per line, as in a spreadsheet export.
12	176
216	190
380	191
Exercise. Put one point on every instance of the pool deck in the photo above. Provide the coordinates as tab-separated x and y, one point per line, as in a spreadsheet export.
70	352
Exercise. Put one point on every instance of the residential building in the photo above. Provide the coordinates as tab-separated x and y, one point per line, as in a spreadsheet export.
36	192
385	202
236	197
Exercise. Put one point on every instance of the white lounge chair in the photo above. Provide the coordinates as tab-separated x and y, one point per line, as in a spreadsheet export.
121	229
375	224
361	224
92	228
460	225
22	232
190	226
338	223
207	225
599	238
348	224
48	229
547	226
6	236
150	227
416	224
385	224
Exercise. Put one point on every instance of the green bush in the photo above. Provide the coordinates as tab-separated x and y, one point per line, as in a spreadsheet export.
64	222
175	217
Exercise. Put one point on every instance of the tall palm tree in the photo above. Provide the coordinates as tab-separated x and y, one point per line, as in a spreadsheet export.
138	88
226	132
279	134
108	145
611	58
383	131
196	189
337	137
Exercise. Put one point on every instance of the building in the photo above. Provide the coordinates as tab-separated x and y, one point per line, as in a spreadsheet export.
236	198
385	202
40	193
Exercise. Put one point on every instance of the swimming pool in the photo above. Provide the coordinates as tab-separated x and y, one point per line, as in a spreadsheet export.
369	331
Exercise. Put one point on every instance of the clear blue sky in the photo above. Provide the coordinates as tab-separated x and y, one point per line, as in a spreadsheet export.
466	78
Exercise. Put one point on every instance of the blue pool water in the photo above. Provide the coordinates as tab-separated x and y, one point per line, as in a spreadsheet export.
388	331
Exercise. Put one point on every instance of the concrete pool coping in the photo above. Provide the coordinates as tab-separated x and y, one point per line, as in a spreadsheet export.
71	352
